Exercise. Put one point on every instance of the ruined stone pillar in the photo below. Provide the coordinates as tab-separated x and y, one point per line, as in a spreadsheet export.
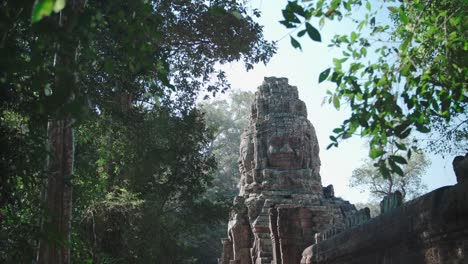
227	251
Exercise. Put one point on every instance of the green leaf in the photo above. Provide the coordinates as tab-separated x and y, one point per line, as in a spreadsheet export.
368	6
335	3
398	159
384	170
59	5
405	69
401	146
400	128
42	8
336	102
393	9
337	77
295	43
376	152
313	32
321	22
403	17
347	5
287	24
337	63
363	51
423	129
405	133
324	75
404	46
301	33
354	36
396	168
347	135
363	122
343	39
337	130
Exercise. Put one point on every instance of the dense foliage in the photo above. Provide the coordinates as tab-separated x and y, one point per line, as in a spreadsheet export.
127	73
367	177
142	195
228	119
402	70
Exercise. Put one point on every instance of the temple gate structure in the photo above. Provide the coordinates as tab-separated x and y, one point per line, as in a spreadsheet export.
281	204
283	214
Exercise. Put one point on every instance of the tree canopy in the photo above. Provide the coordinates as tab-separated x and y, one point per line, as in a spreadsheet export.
402	70
123	77
228	119
367	177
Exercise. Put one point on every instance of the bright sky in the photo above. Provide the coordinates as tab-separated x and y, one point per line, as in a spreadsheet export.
302	69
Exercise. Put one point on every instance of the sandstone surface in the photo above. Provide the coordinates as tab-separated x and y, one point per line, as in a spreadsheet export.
281	204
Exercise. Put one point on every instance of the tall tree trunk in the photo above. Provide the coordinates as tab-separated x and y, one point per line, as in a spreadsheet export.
54	248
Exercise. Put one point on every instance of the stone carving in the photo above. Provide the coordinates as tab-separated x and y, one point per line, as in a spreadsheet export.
391	202
331	232
354	218
460	167
239	232
358	218
328	191
280	148
227	251
281	203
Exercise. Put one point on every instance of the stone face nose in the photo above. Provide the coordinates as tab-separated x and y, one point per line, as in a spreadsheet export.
286	149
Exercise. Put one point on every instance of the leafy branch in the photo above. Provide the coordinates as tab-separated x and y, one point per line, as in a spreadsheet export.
396	88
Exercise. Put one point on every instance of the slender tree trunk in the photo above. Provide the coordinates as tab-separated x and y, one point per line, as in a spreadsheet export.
55	248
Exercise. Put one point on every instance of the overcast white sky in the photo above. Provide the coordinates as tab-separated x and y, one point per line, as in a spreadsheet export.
302	69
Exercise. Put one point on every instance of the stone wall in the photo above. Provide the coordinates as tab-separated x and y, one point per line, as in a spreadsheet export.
431	229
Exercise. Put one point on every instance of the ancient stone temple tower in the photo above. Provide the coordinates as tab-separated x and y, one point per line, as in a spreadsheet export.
281	204
283	215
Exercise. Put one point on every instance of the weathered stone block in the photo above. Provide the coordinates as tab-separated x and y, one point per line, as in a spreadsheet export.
391	202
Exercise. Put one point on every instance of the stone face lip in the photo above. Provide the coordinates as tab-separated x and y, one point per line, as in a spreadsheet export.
281	203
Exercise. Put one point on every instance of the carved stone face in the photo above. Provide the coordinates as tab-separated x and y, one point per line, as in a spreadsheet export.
286	151
246	154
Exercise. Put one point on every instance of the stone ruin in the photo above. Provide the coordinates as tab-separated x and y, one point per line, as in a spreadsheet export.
281	204
283	214
460	167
